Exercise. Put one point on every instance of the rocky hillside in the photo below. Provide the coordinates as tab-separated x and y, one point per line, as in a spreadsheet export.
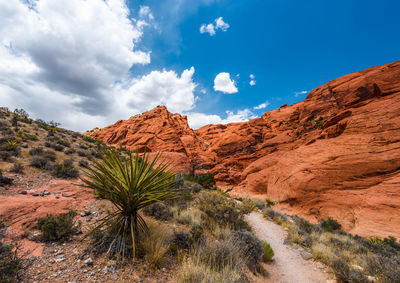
337	153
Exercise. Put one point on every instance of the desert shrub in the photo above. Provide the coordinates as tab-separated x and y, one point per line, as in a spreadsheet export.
82	153
4	124
47	144
69	151
330	224
251	247
345	274
65	170
155	244
41	162
57	228
88	139
6	156
268	251
182	240
10	146
17	168
36	151
191	216
64	143
50	155
196	234
130	185
221	209
207	181
83	163
269	202
159	211
57	147
5	180
247	206
219	261
385	268
259	204
189	187
10	263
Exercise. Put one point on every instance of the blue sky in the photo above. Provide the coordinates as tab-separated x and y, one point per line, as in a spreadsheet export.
86	72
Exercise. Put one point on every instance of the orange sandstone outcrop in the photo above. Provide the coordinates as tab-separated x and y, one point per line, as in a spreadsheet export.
337	153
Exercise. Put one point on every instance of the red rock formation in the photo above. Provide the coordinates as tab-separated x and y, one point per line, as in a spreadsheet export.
337	153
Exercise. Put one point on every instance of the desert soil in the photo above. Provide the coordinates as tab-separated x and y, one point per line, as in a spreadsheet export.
288	265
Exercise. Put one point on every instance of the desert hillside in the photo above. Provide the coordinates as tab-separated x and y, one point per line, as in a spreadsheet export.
337	153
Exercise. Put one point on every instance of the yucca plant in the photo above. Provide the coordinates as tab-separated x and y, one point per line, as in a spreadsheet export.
130	184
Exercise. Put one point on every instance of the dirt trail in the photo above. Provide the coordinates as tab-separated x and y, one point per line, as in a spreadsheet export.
288	265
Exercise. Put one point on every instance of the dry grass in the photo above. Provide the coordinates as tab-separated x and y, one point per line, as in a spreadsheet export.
192	216
155	244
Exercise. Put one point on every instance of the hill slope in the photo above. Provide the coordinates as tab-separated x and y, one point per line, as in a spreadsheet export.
337	153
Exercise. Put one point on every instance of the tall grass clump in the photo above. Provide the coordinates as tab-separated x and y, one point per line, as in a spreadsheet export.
130	185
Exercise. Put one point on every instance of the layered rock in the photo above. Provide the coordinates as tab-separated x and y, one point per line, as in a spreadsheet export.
337	153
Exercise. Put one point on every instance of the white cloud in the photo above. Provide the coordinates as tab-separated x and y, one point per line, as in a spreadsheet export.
208	28
252	82
261	106
212	28
252	76
220	24
146	12
61	59
197	120
298	93
224	83
158	88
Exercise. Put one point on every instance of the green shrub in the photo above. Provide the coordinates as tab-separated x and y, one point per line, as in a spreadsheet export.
330	224
270	202
268	251
182	240
82	153
57	228
10	263
88	139
221	209
65	170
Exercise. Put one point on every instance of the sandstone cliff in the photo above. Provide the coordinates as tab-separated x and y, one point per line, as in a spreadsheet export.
337	153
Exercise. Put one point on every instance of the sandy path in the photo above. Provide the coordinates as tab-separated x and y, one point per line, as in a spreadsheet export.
288	265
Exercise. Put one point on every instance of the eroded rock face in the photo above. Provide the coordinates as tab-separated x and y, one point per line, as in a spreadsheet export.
337	153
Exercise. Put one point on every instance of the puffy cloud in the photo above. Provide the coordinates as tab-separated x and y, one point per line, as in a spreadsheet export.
212	28
220	24
252	77
224	83
261	106
208	28
69	54
197	120
298	93
158	88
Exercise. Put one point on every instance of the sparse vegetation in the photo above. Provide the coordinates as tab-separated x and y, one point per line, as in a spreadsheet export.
207	181
17	168
268	251
65	170
350	258
57	228
10	262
